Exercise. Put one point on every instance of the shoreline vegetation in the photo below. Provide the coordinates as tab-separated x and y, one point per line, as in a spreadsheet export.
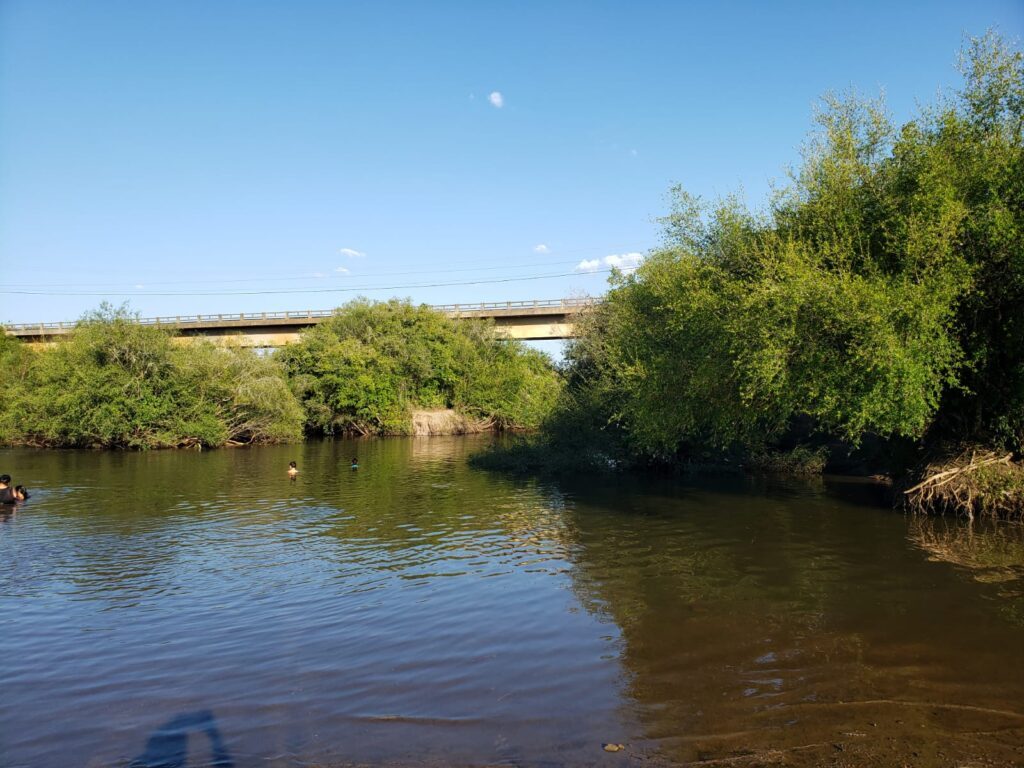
386	368
868	319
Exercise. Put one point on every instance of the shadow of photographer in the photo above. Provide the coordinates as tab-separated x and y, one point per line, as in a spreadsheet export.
168	746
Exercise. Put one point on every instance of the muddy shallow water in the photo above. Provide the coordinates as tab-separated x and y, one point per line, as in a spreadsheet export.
197	609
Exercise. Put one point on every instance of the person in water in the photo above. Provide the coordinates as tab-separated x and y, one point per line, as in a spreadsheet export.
355	463
20	492
7	494
293	469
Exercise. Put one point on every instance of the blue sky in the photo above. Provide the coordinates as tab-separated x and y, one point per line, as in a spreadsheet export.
230	148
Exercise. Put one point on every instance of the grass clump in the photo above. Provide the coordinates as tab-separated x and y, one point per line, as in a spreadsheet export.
798	462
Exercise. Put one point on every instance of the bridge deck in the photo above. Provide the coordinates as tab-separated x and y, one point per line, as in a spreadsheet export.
538	319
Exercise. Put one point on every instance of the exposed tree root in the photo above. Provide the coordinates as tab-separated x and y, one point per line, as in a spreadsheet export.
975	482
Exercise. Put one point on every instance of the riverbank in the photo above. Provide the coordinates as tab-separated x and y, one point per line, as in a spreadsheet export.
372	368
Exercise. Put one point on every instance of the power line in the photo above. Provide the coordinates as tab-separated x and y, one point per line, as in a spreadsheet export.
540	260
317	276
351	289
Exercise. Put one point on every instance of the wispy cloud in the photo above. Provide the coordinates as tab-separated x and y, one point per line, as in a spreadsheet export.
496	99
352	253
342	270
541	248
627	262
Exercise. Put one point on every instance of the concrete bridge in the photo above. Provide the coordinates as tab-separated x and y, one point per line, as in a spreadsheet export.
528	320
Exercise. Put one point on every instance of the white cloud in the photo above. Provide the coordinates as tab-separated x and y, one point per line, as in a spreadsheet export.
541	248
139	285
496	99
343	270
318	274
627	262
352	253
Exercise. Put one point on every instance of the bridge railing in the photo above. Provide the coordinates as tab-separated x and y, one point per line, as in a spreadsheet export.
537	303
309	314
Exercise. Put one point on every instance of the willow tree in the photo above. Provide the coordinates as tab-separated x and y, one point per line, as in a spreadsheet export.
879	296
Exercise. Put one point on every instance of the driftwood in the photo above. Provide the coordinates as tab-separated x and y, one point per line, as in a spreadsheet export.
974	482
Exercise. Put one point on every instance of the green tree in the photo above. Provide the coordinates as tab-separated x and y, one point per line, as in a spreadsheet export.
879	298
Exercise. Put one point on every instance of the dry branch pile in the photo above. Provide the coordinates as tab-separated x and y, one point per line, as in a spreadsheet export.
974	482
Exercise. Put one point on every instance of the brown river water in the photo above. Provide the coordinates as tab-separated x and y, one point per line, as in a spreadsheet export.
182	609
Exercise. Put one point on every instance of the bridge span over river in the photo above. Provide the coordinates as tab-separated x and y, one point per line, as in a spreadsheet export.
528	320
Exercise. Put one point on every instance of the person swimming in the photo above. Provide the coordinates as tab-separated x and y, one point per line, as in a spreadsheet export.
21	493
355	463
293	469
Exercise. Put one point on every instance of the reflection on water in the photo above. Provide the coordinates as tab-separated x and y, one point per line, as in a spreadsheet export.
201	609
990	550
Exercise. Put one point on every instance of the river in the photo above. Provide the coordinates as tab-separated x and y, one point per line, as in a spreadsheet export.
200	609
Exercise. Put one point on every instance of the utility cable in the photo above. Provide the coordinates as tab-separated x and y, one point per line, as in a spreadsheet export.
351	289
540	260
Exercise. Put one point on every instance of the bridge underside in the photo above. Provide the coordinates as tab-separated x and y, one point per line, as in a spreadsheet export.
524	328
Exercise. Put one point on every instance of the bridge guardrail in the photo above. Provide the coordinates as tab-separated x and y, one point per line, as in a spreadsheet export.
309	314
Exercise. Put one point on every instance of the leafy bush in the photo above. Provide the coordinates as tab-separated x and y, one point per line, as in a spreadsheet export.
115	383
369	366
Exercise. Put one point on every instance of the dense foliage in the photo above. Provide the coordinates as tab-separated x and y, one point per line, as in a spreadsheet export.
877	302
371	365
115	383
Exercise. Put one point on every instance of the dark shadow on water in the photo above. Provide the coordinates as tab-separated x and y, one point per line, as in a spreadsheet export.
631	492
168	746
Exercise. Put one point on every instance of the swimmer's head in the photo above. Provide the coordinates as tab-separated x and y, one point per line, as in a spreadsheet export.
292	465
5	479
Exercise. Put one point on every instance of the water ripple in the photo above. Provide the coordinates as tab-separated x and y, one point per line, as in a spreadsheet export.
419	612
